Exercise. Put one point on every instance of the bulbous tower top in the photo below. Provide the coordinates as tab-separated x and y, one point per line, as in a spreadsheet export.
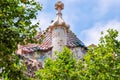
59	6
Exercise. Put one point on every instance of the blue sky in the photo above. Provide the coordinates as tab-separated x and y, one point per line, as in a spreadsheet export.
87	18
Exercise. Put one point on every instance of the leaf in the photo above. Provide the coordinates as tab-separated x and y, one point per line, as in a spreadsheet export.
1	14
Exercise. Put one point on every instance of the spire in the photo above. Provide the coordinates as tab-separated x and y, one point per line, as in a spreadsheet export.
59	6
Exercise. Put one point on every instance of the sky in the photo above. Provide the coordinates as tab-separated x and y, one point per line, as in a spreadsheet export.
87	18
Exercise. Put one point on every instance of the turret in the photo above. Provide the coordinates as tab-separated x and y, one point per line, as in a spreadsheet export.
59	30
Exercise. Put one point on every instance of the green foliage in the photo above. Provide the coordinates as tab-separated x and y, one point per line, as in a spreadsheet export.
15	26
101	62
62	68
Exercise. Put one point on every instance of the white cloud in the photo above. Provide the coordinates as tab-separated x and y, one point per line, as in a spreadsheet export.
72	15
104	6
44	19
92	35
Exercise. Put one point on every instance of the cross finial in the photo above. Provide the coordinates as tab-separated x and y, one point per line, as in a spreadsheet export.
59	6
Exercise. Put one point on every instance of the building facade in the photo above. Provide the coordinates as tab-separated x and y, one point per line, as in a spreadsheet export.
56	36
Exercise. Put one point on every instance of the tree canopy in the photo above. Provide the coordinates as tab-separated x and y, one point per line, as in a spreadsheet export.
101	62
15	27
62	68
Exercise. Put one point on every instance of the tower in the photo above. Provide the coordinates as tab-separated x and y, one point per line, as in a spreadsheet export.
59	30
56	36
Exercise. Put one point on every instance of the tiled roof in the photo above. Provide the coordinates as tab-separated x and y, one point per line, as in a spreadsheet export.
72	41
47	41
44	46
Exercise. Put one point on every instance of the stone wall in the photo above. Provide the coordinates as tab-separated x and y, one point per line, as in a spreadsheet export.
34	61
78	52
58	39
